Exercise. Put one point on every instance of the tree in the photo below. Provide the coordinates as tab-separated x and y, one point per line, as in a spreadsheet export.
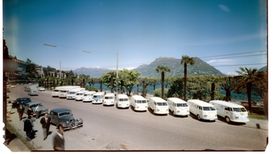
126	81
162	70
31	70
128	78
248	77
185	61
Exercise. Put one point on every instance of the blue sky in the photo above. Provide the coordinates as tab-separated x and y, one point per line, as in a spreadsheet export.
89	33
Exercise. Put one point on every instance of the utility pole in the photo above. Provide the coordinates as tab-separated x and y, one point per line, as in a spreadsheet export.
117	74
60	74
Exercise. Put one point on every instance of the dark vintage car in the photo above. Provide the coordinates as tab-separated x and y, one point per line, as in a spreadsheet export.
64	117
36	109
21	101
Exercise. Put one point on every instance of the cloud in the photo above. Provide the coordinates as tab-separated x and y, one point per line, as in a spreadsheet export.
224	8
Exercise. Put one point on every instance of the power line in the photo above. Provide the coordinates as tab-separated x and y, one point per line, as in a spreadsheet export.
239	65
237	53
238	56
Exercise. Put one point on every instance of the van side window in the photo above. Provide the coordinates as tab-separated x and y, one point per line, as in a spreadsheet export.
200	108
228	109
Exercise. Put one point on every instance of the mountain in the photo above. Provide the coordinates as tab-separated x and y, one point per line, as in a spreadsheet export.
93	72
263	69
199	68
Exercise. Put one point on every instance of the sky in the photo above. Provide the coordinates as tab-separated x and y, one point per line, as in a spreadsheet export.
227	34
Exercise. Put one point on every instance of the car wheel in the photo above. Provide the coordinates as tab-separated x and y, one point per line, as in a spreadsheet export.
198	117
227	119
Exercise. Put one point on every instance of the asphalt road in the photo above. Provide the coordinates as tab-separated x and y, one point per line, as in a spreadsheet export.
109	128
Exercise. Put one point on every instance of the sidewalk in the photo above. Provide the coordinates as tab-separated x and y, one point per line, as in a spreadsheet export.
20	143
257	123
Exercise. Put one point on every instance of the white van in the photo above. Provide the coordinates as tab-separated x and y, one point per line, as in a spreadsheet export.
178	106
33	91
122	101
139	103
230	111
88	96
109	99
158	105
55	92
202	110
98	98
71	94
79	95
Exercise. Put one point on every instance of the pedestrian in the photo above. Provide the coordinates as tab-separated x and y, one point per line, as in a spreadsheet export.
28	128
20	110
45	122
58	139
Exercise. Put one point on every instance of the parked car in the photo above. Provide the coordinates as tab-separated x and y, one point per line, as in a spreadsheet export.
178	106
230	111
158	105
21	101
33	92
64	117
36	109
139	103
41	88
202	110
122	101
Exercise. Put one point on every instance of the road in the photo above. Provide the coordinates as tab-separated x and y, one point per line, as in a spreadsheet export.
109	128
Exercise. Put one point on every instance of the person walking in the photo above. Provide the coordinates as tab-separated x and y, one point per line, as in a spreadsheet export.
28	128
45	122
58	139
20	110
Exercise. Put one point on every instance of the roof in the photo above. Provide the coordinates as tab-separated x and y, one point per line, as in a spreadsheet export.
138	97
176	100
225	103
122	96
199	102
60	110
109	94
157	99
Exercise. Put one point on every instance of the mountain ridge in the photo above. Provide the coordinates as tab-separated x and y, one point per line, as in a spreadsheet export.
149	70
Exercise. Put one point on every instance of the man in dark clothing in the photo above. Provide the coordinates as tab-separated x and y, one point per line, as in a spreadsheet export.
58	139
20	110
28	128
45	121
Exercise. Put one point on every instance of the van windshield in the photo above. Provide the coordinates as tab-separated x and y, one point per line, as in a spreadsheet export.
141	101
161	104
208	108
181	105
107	97
239	109
123	99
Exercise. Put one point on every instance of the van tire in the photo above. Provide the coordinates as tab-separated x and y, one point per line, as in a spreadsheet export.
198	117
227	119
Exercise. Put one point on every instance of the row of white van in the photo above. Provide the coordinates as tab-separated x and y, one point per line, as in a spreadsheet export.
231	112
202	110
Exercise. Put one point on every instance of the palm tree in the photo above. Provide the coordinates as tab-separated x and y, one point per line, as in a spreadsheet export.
248	77
162	70
185	61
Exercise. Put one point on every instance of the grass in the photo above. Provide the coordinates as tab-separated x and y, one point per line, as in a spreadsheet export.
256	116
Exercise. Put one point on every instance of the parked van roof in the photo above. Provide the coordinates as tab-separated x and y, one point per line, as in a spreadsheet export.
176	100
158	99
138	97
199	102
225	103
122	96
109	94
